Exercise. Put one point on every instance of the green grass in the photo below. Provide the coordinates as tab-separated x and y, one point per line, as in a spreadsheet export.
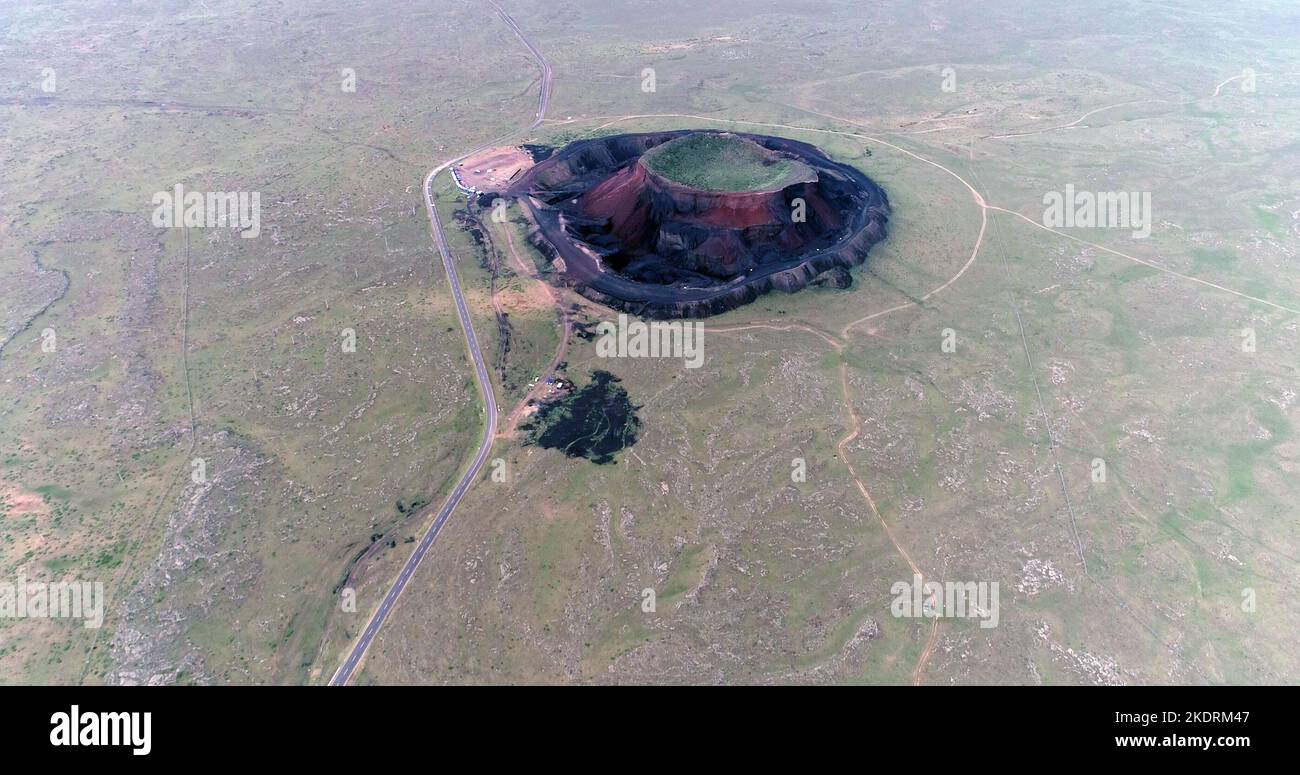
1212	259
719	162
54	492
1270	220
1242	458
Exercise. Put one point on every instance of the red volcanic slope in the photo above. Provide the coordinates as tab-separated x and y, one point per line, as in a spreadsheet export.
712	232
621	198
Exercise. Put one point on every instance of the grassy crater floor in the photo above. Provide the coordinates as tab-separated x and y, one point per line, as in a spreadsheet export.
724	162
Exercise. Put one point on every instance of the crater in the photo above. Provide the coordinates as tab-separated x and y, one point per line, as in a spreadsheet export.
692	223
723	163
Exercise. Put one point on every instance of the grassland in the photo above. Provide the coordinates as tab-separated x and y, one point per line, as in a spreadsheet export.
1066	353
228	352
980	459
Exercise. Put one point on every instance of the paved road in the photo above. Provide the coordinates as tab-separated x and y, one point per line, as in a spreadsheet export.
349	666
543	99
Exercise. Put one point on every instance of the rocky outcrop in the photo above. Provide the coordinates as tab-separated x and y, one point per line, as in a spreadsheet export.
638	242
